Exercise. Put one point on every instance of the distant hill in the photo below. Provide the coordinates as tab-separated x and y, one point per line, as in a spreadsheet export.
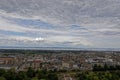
60	48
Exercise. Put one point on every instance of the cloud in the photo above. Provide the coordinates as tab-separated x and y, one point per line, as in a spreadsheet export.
63	12
76	22
39	39
22	38
7	25
68	39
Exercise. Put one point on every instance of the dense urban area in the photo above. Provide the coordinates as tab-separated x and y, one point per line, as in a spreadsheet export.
59	65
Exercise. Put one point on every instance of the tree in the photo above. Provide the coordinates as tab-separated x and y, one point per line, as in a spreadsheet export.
82	76
2	72
106	67
95	67
21	75
2	78
52	76
30	72
117	67
34	78
41	74
10	74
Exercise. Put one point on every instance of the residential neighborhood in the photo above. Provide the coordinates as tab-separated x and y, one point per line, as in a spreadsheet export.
62	61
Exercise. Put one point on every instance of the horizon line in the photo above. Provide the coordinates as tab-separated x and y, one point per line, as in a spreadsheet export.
58	48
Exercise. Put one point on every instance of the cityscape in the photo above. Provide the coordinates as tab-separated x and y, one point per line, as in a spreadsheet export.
59	60
64	62
59	39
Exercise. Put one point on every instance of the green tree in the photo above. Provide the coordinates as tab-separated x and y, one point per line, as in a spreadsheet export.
2	78
21	75
41	74
82	76
106	67
2	72
10	74
52	76
34	78
30	72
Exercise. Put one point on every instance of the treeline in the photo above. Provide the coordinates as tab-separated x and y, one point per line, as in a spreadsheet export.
105	72
30	74
106	67
99	75
12	51
32	51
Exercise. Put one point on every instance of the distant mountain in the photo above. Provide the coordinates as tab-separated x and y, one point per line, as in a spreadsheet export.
60	48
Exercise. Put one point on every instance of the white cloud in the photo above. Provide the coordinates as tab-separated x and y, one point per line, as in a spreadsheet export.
23	39
68	39
39	39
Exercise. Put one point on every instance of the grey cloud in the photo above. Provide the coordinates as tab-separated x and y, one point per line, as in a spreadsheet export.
61	11
93	17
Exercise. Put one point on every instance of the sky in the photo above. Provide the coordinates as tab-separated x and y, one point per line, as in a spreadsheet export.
60	23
